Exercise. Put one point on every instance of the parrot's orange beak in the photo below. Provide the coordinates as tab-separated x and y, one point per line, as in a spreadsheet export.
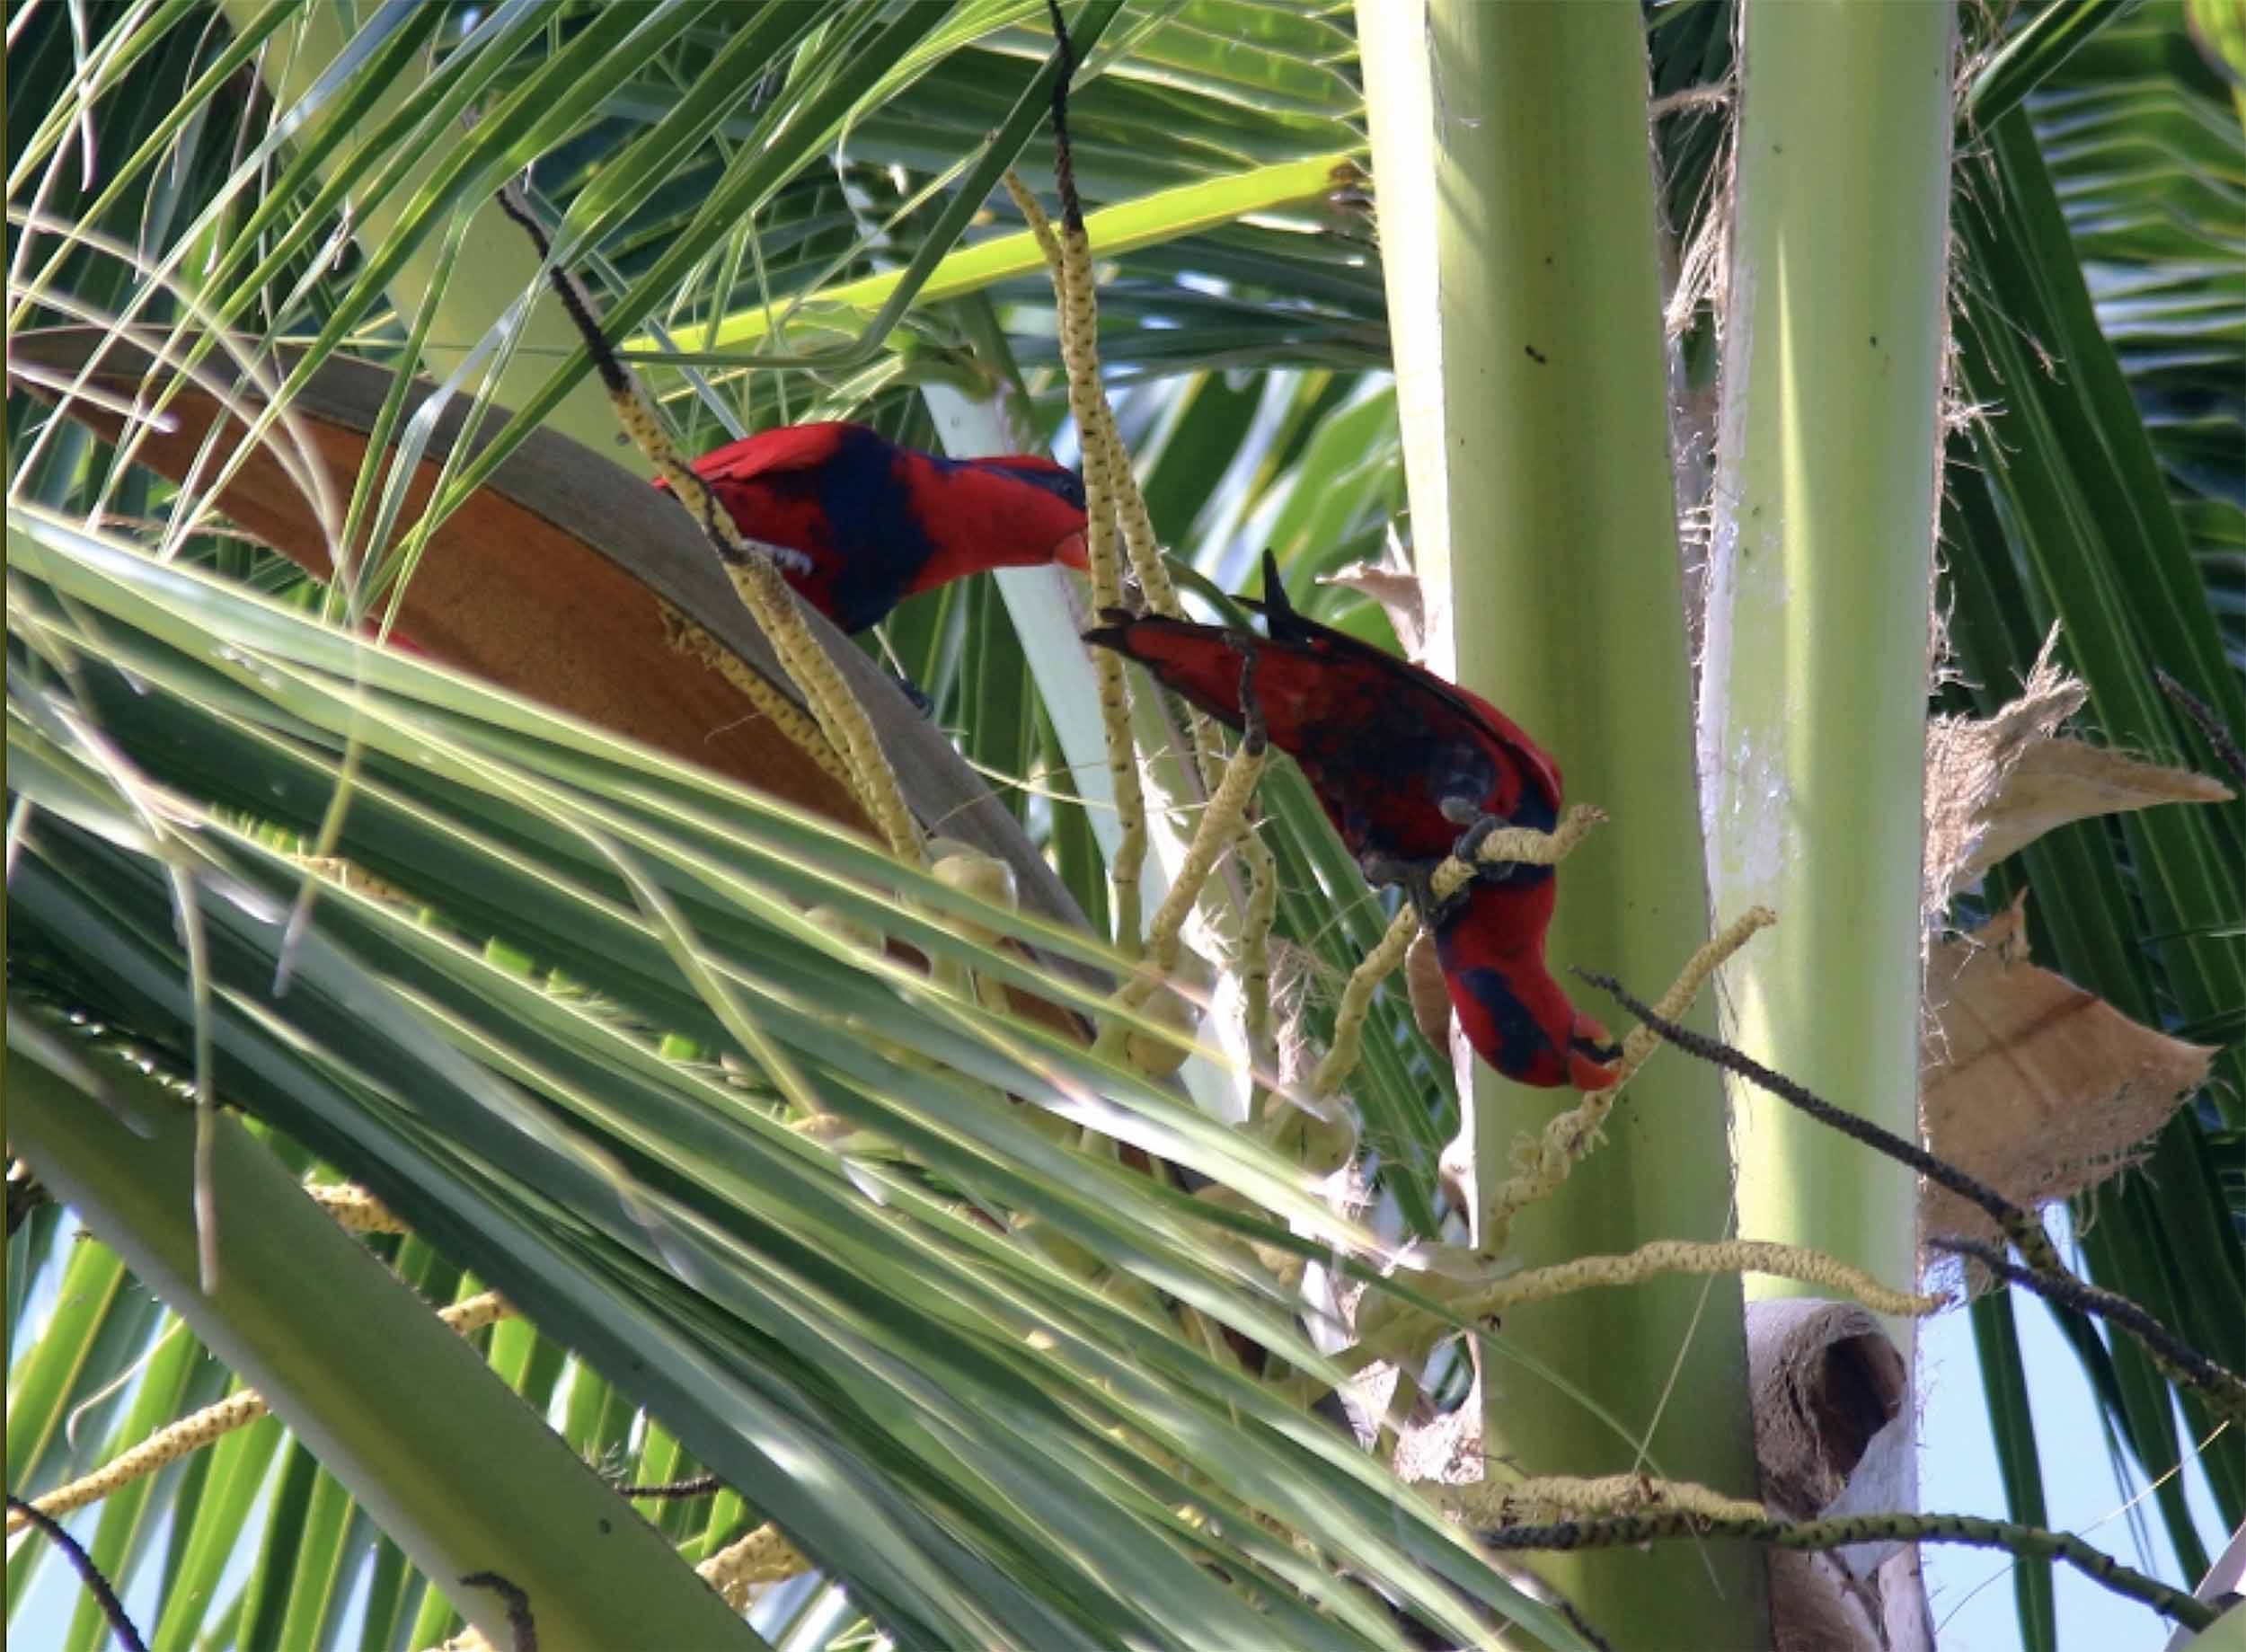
1071	553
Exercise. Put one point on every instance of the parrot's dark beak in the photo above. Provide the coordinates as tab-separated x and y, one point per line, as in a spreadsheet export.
1594	1057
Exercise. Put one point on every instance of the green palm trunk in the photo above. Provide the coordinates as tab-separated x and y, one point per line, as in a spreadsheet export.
1548	463
1814	724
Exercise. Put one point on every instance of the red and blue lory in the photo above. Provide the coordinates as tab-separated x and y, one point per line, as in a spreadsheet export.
857	524
1401	761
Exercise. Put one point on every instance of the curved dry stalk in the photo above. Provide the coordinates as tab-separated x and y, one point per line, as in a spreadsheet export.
1686	1256
1393	1329
1077	319
758	582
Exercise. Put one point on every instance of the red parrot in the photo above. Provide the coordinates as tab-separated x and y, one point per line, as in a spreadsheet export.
1401	761
857	524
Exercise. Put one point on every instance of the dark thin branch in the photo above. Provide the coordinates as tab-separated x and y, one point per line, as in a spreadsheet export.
1581	1624
2225	744
1653	1526
521	1628
2019	1225
2221	1387
2045	1273
97	1586
615	378
574	301
702	1485
1064	157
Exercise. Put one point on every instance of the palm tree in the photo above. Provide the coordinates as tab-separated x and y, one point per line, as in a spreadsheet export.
565	935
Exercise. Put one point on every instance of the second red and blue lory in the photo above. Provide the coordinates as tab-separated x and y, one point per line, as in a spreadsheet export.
1401	761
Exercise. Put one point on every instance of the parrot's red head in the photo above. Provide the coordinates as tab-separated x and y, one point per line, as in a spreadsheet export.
1014	512
1517	1018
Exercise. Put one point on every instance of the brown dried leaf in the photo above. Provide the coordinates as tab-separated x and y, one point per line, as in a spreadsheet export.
2056	782
2037	1087
1966	761
1994	785
1391	583
565	578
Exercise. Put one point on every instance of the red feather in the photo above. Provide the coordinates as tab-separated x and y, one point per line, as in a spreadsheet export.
371	631
785	447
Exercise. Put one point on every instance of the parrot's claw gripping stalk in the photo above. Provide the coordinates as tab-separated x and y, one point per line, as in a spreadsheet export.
1417	878
1434	910
1479	828
1414	878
